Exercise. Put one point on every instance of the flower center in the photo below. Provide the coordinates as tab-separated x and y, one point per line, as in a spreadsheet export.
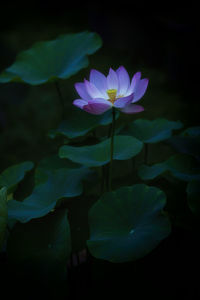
112	93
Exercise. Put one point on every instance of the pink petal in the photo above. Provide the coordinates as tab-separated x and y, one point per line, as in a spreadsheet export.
80	103
81	90
97	106
100	81
112	80
135	80
92	90
140	89
122	102
132	109
124	80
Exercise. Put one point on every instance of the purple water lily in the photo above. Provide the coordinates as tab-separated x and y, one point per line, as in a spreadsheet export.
101	93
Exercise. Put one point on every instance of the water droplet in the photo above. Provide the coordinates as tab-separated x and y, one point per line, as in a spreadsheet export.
132	231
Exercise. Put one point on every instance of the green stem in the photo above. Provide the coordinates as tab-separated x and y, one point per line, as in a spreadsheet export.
106	167
111	150
60	99
109	130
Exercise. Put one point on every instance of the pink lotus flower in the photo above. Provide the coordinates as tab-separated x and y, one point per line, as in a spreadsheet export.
102	93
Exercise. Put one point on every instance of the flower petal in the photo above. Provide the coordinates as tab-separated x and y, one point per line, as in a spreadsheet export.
112	80
132	109
135	80
80	103
97	106
122	102
140	89
81	90
124	80
100	81
92	90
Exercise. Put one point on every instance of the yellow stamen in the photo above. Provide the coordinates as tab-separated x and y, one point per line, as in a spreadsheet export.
112	93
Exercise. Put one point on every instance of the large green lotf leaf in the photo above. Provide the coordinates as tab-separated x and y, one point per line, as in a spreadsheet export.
192	132
52	184
3	214
14	174
187	145
50	60
153	131
128	223
150	172
125	147
193	194
51	164
79	123
188	142
42	246
180	166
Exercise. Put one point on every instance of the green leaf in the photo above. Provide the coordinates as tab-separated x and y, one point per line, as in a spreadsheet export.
180	166
53	184
150	172
125	147
128	223
50	60
192	132
186	144
3	214
153	131
79	123
42	245
49	165
193	194
14	174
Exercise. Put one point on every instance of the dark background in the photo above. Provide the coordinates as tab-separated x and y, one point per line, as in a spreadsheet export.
162	43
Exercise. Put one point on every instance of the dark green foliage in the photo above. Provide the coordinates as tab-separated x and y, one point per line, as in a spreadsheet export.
49	61
79	123
67	189
125	147
153	131
54	180
188	142
14	174
128	223
180	166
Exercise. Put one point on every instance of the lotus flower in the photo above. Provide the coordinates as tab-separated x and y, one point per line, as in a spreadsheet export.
101	93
